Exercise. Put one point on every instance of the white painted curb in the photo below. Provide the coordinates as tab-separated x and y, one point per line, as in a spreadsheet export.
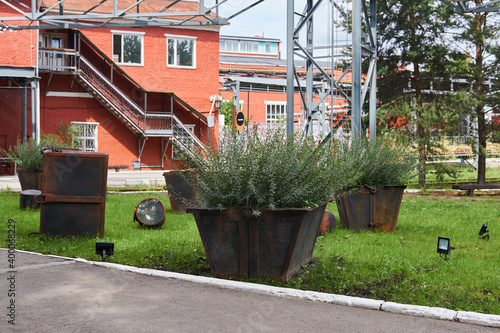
472	318
475	318
419	311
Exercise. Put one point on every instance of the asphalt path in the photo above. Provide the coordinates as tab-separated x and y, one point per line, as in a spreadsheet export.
54	294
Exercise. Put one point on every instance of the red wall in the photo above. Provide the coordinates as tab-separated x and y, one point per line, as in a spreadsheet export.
24	55
10	114
195	86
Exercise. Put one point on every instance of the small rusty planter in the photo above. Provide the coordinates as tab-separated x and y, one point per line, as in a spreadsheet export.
374	207
73	193
29	179
180	187
274	244
27	199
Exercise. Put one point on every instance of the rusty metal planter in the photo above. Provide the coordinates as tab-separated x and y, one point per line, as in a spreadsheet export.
374	207
30	179
73	193
180	186
274	244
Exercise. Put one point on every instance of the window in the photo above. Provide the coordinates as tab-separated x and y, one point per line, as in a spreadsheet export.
85	137
181	51
232	46
275	112
186	140
128	48
268	47
247	46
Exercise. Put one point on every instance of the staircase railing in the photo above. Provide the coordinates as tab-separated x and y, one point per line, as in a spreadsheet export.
185	139
57	60
148	124
112	95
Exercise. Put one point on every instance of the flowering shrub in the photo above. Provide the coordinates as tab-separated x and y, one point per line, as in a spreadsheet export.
272	170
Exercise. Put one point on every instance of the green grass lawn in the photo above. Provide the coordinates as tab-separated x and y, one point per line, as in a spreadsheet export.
401	266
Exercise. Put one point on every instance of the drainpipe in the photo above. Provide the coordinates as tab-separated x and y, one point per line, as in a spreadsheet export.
290	89
35	95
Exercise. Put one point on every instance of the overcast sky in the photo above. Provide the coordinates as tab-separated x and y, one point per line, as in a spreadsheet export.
267	19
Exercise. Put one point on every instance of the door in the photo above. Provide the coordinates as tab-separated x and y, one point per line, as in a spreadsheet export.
52	48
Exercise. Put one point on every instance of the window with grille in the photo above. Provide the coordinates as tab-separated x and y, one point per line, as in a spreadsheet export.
275	112
85	137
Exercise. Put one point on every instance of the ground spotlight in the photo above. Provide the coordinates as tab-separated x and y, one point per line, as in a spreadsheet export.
444	247
104	249
484	232
150	212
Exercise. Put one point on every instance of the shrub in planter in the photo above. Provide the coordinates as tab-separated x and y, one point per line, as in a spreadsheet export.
28	158
245	185
382	168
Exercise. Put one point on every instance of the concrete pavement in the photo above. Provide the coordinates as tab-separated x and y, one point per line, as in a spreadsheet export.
55	294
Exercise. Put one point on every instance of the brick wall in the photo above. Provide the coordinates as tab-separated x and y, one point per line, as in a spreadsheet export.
23	55
195	86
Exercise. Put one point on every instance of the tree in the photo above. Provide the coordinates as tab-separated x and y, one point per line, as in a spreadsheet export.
479	32
226	109
410	34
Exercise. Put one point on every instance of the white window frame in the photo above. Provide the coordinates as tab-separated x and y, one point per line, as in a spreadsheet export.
176	38
83	137
260	49
269	117
132	33
175	150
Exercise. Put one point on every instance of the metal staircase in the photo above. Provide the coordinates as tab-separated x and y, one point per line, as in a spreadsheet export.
143	124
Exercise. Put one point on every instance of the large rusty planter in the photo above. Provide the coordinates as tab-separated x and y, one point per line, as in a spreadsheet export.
29	178
74	192
274	244
180	188
374	207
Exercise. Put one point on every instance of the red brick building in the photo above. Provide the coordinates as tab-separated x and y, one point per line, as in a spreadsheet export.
134	93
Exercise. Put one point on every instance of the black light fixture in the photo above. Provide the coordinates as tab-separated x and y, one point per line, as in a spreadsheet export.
444	247
104	249
484	232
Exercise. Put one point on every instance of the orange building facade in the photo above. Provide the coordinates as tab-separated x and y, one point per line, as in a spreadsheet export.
134	93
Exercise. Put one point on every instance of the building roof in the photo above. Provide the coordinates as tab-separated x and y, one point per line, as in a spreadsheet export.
146	6
255	38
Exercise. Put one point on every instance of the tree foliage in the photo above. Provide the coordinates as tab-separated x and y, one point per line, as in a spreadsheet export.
410	34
